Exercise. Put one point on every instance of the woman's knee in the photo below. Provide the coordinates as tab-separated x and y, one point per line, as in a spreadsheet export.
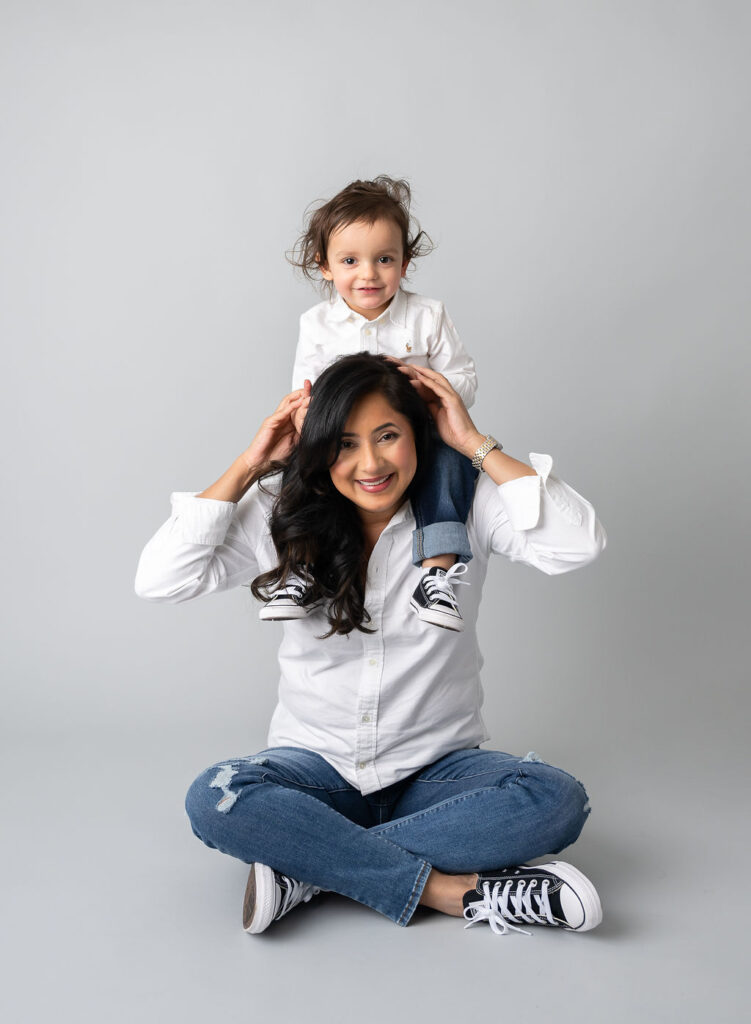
565	802
213	795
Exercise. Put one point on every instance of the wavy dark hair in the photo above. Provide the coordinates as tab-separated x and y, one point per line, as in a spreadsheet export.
316	530
383	198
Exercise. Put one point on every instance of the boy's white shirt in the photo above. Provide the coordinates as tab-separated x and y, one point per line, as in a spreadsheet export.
413	328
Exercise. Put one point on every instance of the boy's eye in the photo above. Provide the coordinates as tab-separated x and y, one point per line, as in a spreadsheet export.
386	259
348	261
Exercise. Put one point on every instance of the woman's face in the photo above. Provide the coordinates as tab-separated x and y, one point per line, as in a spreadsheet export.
377	460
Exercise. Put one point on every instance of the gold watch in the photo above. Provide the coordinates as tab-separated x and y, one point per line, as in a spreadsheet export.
485	448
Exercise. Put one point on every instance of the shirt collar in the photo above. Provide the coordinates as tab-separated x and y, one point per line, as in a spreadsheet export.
339	311
402	515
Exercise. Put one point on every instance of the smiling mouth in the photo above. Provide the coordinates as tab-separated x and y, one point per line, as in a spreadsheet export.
378	484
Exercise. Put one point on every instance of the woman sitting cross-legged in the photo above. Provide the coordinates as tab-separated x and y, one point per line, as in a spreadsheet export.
373	784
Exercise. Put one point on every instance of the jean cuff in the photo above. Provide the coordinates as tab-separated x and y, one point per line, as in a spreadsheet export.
415	895
441	539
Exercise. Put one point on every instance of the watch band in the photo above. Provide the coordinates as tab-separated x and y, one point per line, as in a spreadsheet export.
485	448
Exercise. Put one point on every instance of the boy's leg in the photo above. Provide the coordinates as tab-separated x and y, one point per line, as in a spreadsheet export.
441	506
289	809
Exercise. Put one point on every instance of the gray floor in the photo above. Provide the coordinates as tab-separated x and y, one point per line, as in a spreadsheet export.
113	911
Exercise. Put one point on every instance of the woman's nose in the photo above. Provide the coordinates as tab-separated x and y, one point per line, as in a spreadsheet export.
370	460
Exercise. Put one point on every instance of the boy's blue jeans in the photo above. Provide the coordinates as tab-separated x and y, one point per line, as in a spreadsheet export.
441	506
472	810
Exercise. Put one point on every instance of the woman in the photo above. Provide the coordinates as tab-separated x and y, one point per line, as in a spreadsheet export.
373	784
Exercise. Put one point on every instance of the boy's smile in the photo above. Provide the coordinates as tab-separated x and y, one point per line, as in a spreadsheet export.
366	264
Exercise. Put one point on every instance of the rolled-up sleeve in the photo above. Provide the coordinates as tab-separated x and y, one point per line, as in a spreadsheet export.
203	547
539	520
449	357
309	358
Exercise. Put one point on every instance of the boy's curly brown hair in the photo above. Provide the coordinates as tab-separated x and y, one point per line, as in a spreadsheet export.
383	198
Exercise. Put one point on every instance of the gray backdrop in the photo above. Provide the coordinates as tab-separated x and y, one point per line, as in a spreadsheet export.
584	170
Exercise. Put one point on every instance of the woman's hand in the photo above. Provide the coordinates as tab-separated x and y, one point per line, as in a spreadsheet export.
276	438
279	432
458	431
448	410
298	417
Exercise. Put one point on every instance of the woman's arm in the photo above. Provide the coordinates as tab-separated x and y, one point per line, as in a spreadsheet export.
207	544
274	441
457	429
531	516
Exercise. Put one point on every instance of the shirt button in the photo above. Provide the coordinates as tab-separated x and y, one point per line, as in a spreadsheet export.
372	662
361	765
368	331
366	718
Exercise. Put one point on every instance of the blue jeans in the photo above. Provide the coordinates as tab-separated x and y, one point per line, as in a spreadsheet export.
441	506
472	810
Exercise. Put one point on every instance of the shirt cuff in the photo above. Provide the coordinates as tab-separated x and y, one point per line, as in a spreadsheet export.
522	497
201	520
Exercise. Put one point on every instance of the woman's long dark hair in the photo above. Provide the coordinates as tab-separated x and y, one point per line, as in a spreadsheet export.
316	531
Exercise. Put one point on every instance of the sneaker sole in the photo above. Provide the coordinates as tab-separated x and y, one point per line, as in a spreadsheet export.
259	901
271	614
438	618
584	889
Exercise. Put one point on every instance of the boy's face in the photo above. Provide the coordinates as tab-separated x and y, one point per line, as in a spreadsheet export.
366	263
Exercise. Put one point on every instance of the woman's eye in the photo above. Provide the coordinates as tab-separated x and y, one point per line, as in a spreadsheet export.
388	436
346	446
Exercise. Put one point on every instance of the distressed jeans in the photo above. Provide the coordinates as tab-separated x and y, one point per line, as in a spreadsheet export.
472	810
441	505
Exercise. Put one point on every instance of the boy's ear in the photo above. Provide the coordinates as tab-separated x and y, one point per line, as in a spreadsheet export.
404	268
324	268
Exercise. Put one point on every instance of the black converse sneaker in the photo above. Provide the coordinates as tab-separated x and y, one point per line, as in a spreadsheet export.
434	600
287	603
554	894
269	895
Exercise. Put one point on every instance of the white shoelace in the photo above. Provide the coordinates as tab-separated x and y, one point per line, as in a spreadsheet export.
494	907
296	892
440	586
294	588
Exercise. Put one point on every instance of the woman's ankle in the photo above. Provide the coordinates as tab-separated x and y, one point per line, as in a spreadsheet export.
444	892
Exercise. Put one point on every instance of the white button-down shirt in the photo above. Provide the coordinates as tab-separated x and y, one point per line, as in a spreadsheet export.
414	329
377	706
